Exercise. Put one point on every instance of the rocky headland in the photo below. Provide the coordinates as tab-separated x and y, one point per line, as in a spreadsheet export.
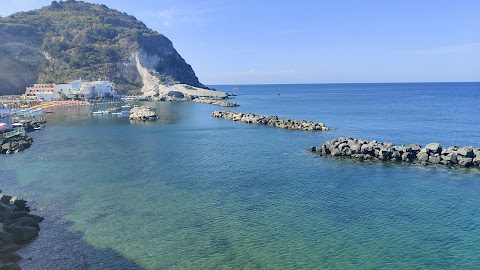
19	227
143	113
43	46
273	121
221	103
430	154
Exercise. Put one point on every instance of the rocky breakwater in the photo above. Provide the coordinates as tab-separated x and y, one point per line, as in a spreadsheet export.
15	144
270	121
19	227
143	113
431	154
216	102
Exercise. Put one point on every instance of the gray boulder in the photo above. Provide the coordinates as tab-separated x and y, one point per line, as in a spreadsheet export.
434	147
466	162
22	234
466	152
422	157
12	257
8	248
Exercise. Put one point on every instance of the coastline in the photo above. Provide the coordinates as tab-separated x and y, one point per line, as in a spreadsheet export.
19	227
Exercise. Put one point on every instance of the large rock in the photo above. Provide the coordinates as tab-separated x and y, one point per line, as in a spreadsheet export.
22	234
422	156
466	162
434	147
8	248
465	152
12	257
143	113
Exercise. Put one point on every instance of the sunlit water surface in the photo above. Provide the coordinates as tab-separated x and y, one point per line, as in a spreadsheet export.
194	192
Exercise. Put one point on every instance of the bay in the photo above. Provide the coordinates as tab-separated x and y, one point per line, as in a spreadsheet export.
194	192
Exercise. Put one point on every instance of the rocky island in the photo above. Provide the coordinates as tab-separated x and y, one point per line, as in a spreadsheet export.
431	154
270	121
143	113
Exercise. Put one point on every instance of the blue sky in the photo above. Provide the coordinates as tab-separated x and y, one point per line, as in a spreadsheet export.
308	41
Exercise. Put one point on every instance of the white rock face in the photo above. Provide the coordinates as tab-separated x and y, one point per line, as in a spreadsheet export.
154	89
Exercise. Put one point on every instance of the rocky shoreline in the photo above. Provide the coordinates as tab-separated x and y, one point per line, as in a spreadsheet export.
15	144
216	102
431	154
251	118
19	227
143	113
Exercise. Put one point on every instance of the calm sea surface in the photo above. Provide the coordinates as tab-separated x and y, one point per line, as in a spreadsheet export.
194	192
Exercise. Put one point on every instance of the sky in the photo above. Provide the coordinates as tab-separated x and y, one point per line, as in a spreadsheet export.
312	41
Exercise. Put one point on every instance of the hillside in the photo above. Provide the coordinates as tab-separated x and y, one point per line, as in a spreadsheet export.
72	39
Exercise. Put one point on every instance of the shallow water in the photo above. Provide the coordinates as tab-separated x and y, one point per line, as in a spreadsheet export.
195	192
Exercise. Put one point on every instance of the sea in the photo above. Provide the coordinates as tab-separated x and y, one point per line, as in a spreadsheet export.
190	191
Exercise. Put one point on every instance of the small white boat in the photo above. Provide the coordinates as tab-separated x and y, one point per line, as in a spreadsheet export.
101	112
17	125
122	113
127	106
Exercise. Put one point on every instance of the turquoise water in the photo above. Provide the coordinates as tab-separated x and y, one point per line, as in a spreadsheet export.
195	192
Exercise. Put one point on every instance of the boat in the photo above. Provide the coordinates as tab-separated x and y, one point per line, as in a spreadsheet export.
127	106
38	127
3	126
122	113
101	112
17	125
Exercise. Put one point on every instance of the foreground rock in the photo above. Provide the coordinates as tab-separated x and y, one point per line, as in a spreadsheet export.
432	153
216	102
143	113
19	227
15	144
270	121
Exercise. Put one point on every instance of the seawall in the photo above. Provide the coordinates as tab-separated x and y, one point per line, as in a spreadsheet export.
272	120
431	154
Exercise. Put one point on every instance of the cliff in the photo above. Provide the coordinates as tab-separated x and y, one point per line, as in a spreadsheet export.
72	39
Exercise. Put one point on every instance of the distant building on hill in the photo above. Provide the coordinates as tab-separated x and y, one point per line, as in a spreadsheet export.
73	90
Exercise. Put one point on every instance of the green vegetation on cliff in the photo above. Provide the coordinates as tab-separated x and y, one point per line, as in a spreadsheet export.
79	39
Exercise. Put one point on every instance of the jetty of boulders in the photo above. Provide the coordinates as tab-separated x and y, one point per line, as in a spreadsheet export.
216	102
430	154
19	227
270	121
143	113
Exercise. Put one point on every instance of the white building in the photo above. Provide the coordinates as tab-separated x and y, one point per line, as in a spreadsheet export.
85	90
